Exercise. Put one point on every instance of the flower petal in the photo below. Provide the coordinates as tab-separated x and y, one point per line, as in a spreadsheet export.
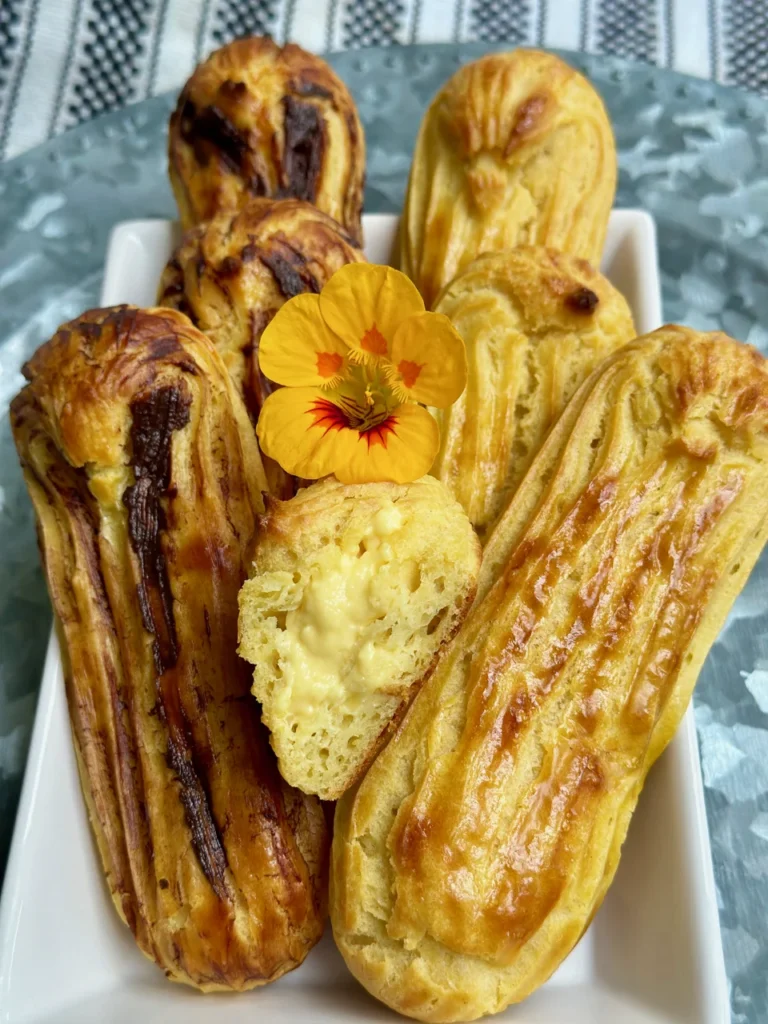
305	432
401	449
365	304
429	361
298	349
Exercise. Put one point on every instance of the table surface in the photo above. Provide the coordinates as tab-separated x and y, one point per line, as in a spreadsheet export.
691	152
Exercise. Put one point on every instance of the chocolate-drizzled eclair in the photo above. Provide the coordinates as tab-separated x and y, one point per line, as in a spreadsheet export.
146	479
257	119
231	275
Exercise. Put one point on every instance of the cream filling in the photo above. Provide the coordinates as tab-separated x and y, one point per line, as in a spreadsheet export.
324	658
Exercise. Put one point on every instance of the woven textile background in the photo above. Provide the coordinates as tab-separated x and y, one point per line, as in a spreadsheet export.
64	61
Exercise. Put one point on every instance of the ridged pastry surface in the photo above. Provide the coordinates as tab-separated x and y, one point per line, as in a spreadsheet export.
257	119
535	324
146	480
481	842
354	591
231	275
515	149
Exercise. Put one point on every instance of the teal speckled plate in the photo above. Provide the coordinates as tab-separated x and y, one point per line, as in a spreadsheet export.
692	153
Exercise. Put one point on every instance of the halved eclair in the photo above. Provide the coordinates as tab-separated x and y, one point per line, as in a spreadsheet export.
355	590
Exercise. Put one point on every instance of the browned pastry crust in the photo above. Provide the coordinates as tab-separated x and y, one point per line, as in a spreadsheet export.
535	324
515	149
146	480
231	275
474	853
262	120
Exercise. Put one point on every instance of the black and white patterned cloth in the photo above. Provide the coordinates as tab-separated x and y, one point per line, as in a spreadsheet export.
64	61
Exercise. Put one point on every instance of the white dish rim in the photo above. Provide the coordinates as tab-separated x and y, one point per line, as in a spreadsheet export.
695	825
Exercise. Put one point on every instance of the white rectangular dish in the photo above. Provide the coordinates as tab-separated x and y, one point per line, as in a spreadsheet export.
652	955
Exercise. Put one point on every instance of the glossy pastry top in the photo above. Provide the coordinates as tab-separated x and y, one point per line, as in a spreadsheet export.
515	149
231	275
483	839
691	401
535	324
257	119
146	479
588	632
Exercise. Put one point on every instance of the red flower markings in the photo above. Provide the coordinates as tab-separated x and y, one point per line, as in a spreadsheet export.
379	434
329	416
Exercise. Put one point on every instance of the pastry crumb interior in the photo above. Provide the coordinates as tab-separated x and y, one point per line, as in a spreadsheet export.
338	638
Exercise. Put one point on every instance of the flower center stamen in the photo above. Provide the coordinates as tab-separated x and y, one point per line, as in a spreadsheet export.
366	397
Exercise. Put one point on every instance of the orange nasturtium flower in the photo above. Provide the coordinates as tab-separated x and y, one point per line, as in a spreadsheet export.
356	361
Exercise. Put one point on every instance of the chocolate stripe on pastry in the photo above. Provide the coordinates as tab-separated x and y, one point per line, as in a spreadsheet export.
230	277
287	270
256	119
146	480
482	841
155	417
304	146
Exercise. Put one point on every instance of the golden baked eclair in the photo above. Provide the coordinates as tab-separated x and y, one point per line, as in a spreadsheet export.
355	589
515	149
145	476
476	850
535	324
231	275
258	119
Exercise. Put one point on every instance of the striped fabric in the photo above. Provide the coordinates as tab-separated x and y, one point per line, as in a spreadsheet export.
64	61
